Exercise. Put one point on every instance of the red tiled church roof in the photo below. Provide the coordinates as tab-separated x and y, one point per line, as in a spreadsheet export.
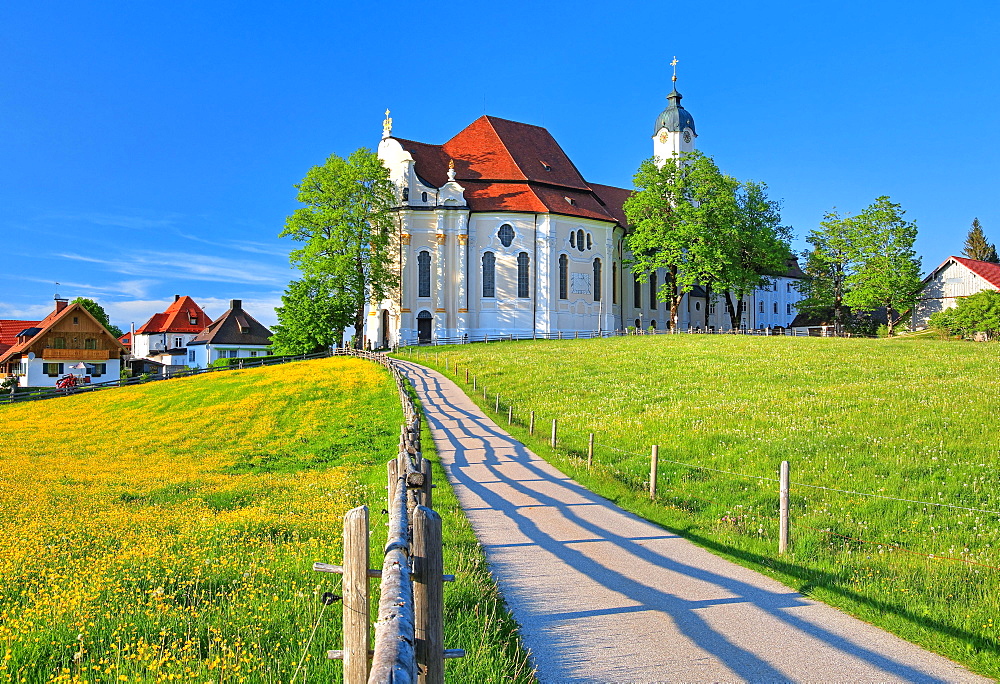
510	166
176	318
984	269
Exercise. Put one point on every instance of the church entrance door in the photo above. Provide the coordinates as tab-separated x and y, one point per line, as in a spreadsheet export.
424	319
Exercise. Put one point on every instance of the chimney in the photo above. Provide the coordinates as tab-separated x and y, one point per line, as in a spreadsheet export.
60	303
235	304
176	297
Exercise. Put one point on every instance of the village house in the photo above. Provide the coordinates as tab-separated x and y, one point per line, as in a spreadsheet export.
69	341
235	334
955	278
164	337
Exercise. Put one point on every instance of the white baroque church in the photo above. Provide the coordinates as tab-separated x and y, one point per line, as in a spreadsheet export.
499	233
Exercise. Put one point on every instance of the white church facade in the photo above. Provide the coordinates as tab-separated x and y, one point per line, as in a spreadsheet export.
499	234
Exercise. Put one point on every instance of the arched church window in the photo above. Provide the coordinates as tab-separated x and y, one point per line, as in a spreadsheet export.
506	235
423	197
652	324
522	274
636	291
572	238
652	291
776	307
563	276
579	240
597	280
590	243
614	282
424	274
761	307
489	275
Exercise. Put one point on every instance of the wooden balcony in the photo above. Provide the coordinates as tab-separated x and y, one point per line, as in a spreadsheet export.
77	354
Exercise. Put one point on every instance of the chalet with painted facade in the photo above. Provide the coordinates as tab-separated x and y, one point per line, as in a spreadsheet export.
69	341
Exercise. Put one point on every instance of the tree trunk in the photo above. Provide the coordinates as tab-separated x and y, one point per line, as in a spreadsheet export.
359	328
735	310
675	298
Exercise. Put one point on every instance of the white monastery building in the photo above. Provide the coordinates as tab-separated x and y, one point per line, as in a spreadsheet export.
499	233
955	278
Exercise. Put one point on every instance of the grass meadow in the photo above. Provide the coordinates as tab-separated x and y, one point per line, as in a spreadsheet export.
880	420
167	532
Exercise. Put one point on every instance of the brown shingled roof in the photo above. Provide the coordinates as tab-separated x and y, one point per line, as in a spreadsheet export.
236	327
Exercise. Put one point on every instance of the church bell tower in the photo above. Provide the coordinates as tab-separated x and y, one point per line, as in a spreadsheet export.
674	130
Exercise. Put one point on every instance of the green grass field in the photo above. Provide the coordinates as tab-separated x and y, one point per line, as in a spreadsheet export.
911	419
167	532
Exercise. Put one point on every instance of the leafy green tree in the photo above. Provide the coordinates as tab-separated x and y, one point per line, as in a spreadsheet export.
755	246
679	217
311	318
346	227
978	313
826	265
884	268
977	247
98	312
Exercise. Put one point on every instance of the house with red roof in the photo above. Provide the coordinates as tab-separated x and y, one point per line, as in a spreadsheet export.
500	233
69	341
164	337
955	278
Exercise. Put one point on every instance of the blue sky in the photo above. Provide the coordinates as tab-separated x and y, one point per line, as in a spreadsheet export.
150	149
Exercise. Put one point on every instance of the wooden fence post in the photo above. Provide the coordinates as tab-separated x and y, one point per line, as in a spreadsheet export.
428	596
357	627
510	415
590	451
554	441
783	487
497	409
531	424
425	468
653	462
466	376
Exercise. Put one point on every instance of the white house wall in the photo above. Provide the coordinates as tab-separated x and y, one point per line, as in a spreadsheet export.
944	288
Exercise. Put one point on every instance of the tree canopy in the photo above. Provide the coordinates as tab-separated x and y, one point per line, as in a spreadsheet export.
311	318
978	313
826	265
346	227
703	227
977	247
98	312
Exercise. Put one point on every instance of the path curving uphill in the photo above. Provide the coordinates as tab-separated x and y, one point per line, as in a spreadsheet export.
602	595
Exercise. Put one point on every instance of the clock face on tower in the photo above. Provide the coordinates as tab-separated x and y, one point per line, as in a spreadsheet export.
687	136
663	137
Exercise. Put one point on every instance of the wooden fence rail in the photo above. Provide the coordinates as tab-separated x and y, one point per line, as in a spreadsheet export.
409	632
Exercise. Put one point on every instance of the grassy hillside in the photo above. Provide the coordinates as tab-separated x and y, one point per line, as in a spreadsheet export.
910	419
168	531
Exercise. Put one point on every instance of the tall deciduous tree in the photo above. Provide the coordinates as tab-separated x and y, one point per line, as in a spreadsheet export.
346	228
98	312
311	317
884	268
826	265
977	247
755	246
679	216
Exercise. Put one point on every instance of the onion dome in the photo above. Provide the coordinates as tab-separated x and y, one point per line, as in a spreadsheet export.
674	118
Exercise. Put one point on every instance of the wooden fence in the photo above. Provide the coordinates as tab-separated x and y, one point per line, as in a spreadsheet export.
409	633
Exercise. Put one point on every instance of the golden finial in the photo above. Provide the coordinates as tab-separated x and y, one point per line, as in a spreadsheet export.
386	126
674	65
451	169
451	163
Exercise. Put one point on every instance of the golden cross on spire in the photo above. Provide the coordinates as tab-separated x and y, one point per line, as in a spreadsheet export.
386	126
674	65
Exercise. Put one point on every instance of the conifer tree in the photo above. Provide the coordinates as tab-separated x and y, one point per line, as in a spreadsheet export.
976	246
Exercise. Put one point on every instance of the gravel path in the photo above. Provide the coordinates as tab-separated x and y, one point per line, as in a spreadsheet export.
604	596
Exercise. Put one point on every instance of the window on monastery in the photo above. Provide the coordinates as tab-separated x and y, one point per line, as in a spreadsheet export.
58	342
572	238
652	324
579	240
590	242
563	276
636	291
652	291
489	275
522	275
761	307
90	343
776	307
788	309
423	197
788	287
506	235
711	307
597	280
614	282
424	274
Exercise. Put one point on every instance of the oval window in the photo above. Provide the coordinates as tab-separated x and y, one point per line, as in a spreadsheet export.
506	235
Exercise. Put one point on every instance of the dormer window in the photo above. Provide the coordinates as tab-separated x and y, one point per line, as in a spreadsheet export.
192	319
545	166
570	200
